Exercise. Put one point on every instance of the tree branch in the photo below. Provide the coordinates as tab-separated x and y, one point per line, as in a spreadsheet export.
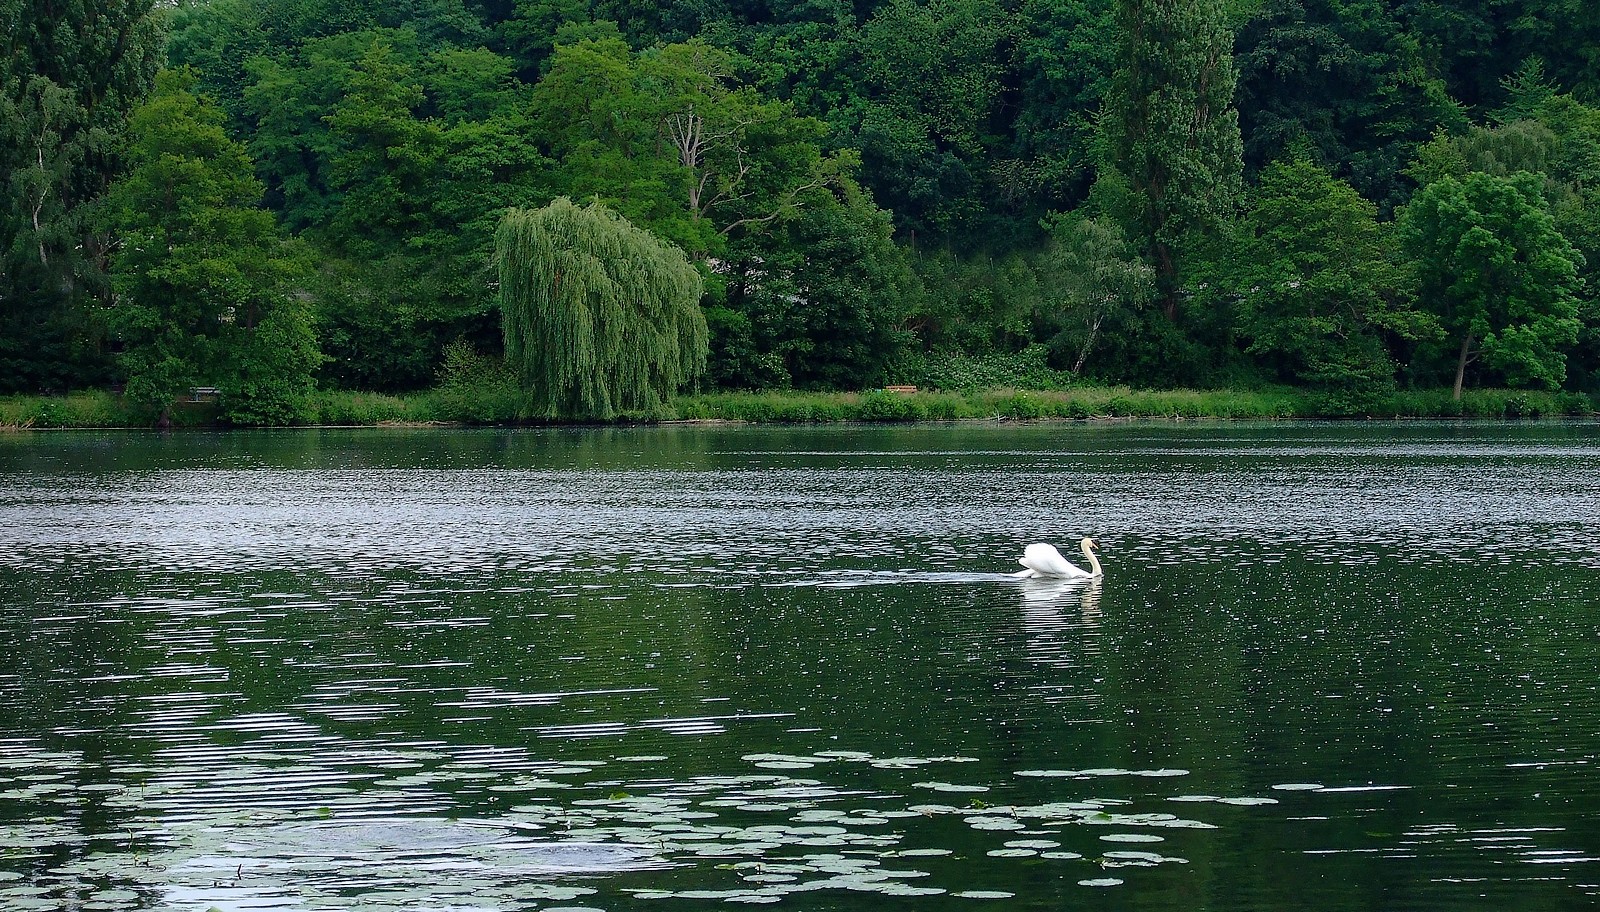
789	198
44	187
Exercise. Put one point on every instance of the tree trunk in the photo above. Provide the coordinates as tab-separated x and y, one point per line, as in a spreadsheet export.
1461	365
1083	353
44	193
1167	281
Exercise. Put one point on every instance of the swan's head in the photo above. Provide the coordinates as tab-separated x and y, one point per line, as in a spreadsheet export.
1089	544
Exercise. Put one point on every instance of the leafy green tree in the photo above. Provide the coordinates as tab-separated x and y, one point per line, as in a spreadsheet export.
395	163
980	305
293	99
748	161
529	29
222	39
1544	131
672	141
1567	153
823	295
1564	38
270	370
600	316
1172	132
69	74
469	84
204	286
1065	58
808	283
1502	279
1575	205
605	128
385	158
1099	285
1522	145
807	55
928	80
1345	82
1474	44
941	60
1320	288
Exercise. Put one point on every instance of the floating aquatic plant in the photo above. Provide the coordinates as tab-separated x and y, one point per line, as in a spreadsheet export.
574	832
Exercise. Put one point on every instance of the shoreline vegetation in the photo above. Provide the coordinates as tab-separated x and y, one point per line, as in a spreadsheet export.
530	213
456	406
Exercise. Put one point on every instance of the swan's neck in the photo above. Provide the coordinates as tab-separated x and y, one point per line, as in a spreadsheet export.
1094	562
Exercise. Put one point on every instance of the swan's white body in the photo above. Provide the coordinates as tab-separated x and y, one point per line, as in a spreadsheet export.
1045	560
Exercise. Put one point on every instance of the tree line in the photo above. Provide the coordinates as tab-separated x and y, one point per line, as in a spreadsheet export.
268	195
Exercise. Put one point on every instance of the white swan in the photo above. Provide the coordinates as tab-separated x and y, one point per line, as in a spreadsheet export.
1045	560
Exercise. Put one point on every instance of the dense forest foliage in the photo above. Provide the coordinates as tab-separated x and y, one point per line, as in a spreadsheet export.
1347	195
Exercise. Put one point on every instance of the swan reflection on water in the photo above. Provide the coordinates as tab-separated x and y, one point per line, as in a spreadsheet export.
1049	592
1061	622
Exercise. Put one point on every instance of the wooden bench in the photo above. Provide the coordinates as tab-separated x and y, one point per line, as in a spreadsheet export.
900	389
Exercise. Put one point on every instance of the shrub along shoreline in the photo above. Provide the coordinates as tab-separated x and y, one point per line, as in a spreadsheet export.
497	405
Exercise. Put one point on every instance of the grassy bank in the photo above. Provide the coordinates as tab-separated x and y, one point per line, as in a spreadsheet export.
1120	402
497	405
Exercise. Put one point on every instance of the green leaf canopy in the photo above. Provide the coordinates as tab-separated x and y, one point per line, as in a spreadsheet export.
1502	277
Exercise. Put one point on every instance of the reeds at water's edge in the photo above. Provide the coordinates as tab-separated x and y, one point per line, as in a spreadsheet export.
502	404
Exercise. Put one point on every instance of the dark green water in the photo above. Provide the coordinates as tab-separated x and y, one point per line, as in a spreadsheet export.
1331	667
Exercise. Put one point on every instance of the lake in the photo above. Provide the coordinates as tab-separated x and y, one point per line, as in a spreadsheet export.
1330	667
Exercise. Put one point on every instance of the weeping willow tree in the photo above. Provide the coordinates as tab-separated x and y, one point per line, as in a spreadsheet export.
600	316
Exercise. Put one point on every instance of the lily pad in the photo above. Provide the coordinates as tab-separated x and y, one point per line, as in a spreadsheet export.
558	893
995	823
899	762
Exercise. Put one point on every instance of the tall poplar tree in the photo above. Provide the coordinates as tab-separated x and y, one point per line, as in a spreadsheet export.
600	316
1174	156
